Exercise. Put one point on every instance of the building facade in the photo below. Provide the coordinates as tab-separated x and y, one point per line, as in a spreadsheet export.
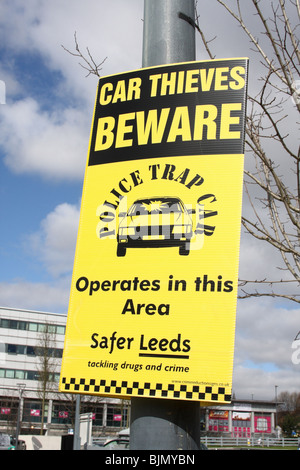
242	418
31	347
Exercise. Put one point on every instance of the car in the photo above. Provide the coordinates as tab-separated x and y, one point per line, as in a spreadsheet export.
155	222
202	446
5	442
21	444
117	443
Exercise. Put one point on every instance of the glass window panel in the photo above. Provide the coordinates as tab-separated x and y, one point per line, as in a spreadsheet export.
58	353
20	349
30	351
19	374
31	375
9	373
51	329
12	349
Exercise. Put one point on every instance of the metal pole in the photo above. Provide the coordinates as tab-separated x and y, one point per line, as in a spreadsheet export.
169	34
161	424
76	442
21	388
169	37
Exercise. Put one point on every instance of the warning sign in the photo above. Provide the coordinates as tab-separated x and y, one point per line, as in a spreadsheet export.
154	287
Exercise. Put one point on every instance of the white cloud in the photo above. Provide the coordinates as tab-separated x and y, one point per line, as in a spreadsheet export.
260	384
12	86
266	331
54	246
50	145
54	144
55	242
110	28
36	295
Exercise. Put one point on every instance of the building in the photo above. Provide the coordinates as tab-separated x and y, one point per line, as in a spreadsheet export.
25	337
31	346
242	418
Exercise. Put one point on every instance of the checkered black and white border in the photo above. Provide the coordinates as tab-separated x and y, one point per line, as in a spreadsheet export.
146	389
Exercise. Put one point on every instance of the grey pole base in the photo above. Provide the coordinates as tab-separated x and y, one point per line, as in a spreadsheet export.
161	424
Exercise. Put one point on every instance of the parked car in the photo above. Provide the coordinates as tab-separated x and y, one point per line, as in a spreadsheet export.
5	442
155	222
116	444
203	446
21	444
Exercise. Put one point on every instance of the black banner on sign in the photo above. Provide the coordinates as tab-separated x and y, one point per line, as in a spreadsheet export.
195	109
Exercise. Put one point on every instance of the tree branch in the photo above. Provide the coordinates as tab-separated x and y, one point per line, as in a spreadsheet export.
89	63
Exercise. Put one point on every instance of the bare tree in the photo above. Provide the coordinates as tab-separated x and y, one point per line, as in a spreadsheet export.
47	365
289	402
87	61
273	183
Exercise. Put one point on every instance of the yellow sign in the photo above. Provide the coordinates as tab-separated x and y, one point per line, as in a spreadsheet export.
154	288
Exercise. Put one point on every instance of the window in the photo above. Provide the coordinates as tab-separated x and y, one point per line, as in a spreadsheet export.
60	330
97	412
62	413
52	377
12	349
9	409
31	326
32	375
30	351
115	418
19	374
15	349
10	374
51	329
58	353
32	412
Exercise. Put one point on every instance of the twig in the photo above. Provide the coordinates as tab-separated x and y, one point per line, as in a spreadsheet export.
90	65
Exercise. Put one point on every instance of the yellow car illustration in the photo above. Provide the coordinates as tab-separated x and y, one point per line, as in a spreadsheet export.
154	223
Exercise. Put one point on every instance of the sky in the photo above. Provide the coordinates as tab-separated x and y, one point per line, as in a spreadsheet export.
46	108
